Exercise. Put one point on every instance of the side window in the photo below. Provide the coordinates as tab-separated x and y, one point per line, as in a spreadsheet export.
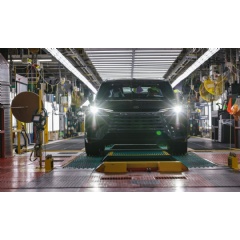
168	91
110	91
154	91
116	92
103	92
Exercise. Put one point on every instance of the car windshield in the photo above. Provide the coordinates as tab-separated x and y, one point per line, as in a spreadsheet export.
134	90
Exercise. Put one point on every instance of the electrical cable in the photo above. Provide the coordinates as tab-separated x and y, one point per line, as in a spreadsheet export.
35	147
40	127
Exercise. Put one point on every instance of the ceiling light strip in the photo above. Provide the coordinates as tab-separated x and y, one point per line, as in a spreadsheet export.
55	53
209	53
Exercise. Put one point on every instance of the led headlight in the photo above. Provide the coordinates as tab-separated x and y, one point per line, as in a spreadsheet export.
177	109
94	109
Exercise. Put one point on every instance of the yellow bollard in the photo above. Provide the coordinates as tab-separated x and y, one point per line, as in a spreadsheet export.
19	128
82	127
49	163
233	161
25	137
46	132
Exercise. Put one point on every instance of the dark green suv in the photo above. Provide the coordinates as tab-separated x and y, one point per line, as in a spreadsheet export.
142	111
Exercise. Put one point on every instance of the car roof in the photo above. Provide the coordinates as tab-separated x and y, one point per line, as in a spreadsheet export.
134	79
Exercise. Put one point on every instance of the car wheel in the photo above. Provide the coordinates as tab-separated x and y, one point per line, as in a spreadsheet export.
178	148
93	149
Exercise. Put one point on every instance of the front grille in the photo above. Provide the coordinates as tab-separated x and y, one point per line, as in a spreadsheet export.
136	122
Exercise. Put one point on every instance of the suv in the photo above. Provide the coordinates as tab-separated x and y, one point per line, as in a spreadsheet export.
135	112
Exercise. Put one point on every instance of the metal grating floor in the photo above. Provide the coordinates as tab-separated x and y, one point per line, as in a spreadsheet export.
81	180
191	160
84	162
59	179
208	171
139	153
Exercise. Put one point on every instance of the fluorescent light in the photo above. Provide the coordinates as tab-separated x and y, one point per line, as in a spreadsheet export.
55	53
15	60
44	60
209	53
40	60
85	104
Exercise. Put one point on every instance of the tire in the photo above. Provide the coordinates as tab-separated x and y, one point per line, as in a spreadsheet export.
178	148
94	149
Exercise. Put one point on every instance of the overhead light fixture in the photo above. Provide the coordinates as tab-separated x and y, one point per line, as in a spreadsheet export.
209	53
15	60
45	60
40	60
84	105
55	53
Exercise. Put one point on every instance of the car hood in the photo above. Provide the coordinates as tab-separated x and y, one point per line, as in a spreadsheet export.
135	105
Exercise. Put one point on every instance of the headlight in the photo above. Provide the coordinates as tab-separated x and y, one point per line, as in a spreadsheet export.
94	109
100	111
177	109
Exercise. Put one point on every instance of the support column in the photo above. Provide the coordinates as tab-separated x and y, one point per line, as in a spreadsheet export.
40	132
2	147
46	132
19	128
6	138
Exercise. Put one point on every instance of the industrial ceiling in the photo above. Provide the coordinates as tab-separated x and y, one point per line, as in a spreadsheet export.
132	63
99	64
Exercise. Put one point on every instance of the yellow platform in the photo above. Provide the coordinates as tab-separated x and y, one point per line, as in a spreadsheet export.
129	166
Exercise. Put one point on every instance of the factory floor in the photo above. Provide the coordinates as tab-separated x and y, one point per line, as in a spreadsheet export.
22	173
73	201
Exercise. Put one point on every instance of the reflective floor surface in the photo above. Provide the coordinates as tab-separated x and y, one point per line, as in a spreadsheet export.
19	174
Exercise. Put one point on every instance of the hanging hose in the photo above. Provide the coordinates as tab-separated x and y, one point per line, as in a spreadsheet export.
30	158
39	123
35	149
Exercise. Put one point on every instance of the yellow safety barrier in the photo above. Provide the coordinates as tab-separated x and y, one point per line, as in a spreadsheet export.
233	161
123	167
171	166
49	163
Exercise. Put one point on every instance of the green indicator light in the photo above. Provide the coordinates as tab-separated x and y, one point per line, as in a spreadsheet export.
158	133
